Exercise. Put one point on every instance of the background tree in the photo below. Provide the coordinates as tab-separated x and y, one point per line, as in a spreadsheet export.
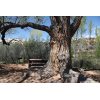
90	28
82	28
96	31
98	46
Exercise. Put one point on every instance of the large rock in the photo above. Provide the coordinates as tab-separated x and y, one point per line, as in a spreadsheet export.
76	77
72	77
89	80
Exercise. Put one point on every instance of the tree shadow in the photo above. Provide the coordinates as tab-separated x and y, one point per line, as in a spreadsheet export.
5	71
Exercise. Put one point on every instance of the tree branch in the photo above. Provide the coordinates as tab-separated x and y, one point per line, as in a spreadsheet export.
3	37
10	25
23	25
53	20
75	25
58	19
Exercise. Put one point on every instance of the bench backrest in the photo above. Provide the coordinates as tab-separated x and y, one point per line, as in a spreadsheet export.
37	62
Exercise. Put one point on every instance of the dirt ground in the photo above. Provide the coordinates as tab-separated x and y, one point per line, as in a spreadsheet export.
14	73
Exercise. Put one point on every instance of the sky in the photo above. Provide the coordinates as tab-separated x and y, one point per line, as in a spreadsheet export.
96	23
25	34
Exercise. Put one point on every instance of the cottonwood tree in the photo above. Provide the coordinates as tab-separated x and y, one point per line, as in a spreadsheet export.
97	51
61	32
90	28
82	28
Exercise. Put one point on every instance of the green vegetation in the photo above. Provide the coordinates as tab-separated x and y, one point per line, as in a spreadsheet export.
20	53
90	28
98	46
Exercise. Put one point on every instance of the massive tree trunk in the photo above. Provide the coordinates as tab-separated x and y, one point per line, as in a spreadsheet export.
60	54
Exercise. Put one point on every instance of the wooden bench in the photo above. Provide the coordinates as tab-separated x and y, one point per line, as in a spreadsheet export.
37	63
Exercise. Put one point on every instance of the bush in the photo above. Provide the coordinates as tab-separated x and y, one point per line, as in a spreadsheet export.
83	63
97	46
30	49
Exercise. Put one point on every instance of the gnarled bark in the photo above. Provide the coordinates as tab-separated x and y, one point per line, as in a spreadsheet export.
60	53
60	43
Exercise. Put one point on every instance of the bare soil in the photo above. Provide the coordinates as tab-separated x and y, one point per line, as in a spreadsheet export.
14	73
